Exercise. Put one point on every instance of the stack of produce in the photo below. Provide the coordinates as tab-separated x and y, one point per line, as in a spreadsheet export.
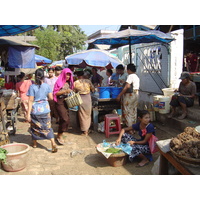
187	144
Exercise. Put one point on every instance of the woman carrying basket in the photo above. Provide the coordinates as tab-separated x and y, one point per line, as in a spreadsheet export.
63	86
84	87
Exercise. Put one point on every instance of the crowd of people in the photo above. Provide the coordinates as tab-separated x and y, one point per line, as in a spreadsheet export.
44	99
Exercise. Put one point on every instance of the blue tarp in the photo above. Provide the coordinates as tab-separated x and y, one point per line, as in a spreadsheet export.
21	57
7	30
42	59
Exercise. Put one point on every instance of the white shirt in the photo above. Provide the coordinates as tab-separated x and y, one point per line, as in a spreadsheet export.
133	78
123	77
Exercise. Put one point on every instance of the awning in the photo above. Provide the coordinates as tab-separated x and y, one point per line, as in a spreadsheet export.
10	41
7	30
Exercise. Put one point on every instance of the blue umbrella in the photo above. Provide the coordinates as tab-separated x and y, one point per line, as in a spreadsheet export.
7	30
94	58
130	37
42	59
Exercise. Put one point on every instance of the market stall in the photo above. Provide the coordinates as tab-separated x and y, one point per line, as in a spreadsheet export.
15	57
182	152
102	107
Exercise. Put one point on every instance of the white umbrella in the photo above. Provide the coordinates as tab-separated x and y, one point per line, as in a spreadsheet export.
93	58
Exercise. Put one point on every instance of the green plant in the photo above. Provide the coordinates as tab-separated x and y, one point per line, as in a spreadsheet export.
3	153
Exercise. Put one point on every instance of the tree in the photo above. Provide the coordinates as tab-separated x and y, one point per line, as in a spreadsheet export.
49	42
58	41
72	39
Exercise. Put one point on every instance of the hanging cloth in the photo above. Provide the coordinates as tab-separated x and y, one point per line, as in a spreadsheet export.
21	57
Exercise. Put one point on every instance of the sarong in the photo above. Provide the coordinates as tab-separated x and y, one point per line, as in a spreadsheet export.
129	108
84	112
63	113
137	149
40	128
53	109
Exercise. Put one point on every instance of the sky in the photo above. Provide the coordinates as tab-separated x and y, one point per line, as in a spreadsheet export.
90	29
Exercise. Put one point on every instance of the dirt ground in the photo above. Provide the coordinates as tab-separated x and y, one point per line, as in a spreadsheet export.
78	156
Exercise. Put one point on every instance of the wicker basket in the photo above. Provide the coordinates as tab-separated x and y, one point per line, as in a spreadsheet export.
73	100
193	162
117	159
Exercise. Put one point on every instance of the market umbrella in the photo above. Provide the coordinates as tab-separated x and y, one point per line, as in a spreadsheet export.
93	58
130	37
60	63
42	60
7	30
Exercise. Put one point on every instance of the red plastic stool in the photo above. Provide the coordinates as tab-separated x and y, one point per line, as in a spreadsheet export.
107	120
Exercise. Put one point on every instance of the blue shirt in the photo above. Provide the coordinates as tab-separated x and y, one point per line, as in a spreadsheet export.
39	92
115	77
150	129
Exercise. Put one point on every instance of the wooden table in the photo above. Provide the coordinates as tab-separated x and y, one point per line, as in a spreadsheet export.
183	169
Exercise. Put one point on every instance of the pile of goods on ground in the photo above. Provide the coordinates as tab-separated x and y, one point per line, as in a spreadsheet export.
187	144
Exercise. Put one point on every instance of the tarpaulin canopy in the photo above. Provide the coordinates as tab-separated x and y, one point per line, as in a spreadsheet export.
21	57
42	59
7	30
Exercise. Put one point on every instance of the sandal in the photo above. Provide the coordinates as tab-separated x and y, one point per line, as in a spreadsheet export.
59	141
54	149
183	116
85	133
138	165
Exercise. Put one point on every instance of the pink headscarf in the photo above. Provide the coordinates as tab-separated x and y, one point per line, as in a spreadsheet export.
61	81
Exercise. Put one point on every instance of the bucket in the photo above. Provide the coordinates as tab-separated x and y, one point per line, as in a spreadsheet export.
168	91
16	157
156	102
104	92
164	106
115	91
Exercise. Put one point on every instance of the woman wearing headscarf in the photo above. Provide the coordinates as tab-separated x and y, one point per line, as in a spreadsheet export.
39	112
63	86
84	86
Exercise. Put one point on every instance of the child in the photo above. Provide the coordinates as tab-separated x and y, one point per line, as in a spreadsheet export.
140	147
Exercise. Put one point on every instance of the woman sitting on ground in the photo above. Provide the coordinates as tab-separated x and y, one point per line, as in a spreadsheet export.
39	112
84	86
185	96
140	147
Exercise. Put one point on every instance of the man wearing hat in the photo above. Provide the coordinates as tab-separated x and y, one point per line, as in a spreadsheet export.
184	97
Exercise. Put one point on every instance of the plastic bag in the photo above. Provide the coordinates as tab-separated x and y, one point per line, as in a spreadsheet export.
125	148
105	144
101	127
152	144
156	166
164	145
